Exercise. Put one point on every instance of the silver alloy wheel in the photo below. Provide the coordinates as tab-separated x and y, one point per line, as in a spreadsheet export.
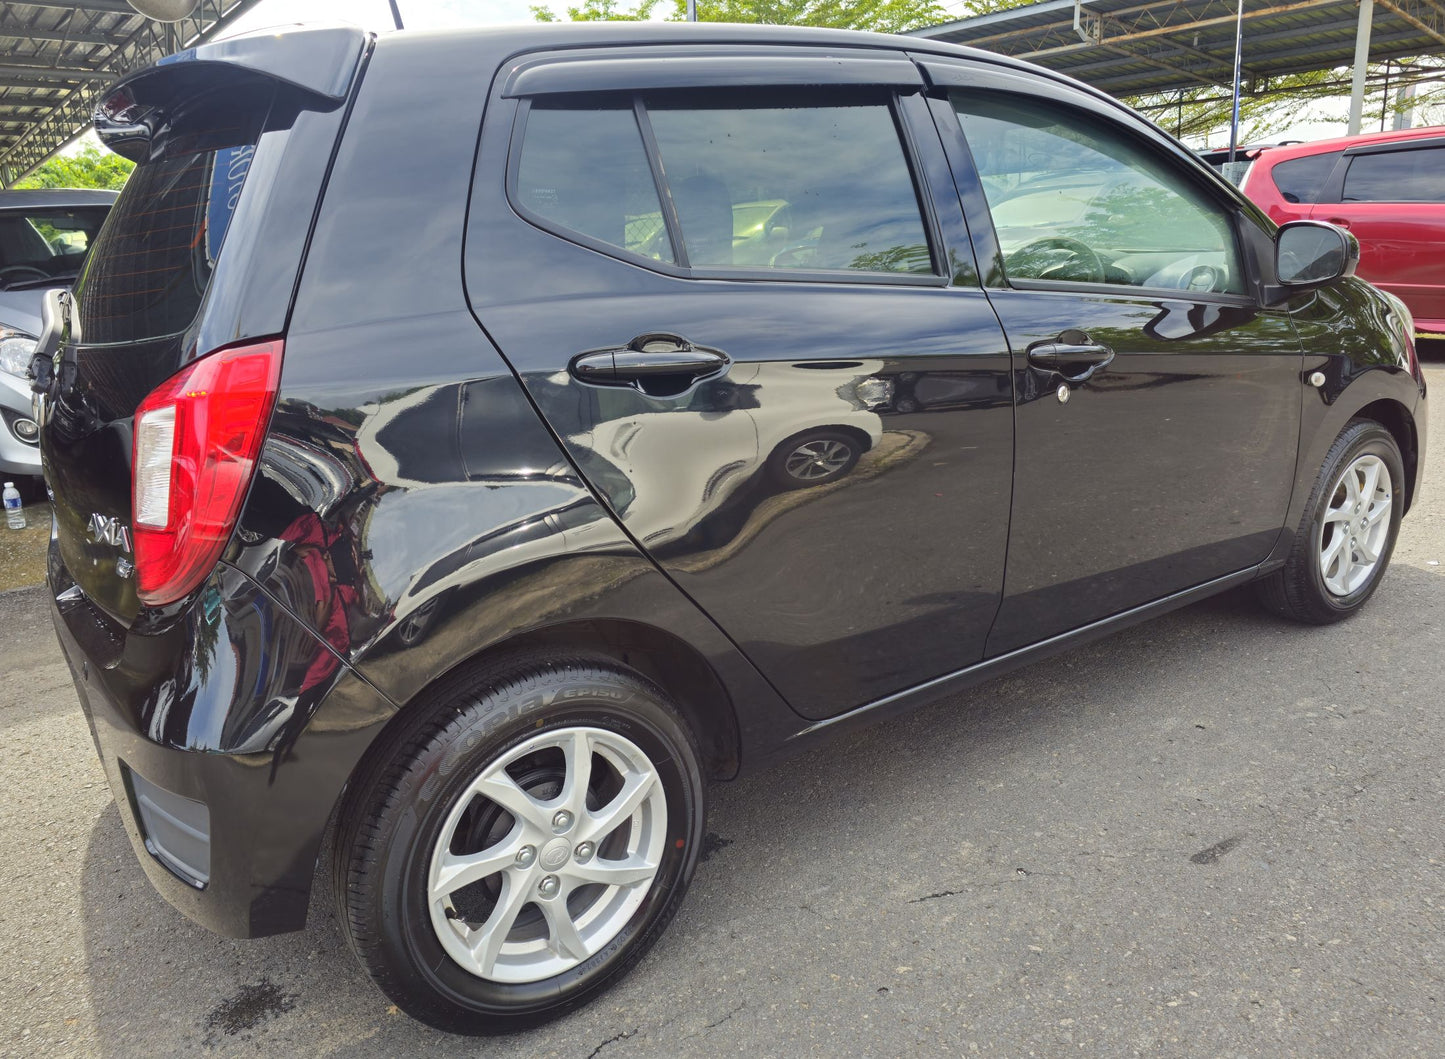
586	870
1356	526
813	460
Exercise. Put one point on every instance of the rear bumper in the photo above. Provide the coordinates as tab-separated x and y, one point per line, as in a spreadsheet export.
227	740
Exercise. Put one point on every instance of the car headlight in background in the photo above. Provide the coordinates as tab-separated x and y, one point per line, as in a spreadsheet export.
16	349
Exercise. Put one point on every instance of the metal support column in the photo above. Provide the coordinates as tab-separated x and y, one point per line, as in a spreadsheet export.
1362	56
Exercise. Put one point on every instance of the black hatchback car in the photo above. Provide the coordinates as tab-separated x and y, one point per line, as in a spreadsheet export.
478	442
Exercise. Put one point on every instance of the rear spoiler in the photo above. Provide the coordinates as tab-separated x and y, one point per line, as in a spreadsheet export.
320	63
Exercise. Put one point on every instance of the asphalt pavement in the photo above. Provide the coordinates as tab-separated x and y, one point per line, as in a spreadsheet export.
1213	835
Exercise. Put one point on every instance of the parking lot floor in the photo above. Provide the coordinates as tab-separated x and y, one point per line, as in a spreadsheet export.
1213	835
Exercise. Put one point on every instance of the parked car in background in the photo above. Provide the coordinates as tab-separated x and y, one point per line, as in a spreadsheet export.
1217	158
44	238
1388	188
409	485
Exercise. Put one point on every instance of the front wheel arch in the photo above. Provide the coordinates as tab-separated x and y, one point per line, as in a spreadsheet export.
1396	418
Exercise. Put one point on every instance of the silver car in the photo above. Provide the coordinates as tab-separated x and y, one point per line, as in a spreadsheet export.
44	239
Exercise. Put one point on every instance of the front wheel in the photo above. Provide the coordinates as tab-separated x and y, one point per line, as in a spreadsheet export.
522	846
1343	546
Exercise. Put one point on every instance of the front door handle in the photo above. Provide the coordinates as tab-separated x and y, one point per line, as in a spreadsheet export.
1073	355
656	355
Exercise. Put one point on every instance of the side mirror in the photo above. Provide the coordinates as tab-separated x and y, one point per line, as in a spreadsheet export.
1312	253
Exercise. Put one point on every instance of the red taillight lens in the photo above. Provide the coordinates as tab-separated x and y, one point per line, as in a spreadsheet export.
196	440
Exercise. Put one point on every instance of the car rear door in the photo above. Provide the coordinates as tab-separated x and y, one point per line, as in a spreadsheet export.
1392	197
737	285
1158	404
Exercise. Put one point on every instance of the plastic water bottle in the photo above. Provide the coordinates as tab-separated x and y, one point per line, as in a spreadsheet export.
14	514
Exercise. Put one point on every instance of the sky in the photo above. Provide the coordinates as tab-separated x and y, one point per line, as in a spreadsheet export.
376	14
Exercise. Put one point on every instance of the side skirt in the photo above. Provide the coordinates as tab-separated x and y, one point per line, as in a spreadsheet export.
941	687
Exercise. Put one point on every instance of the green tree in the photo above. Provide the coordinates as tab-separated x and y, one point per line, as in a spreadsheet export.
883	16
879	16
597	11
89	167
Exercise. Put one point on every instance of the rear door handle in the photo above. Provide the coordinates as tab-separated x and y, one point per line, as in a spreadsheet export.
650	356
1072	355
1339	222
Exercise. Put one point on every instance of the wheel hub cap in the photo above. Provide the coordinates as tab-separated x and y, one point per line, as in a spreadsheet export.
1355	528
549	902
556	853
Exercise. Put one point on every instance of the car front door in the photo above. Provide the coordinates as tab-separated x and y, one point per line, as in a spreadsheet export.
1158	404
1392	197
750	314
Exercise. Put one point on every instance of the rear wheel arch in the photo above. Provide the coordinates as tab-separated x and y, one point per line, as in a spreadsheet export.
667	660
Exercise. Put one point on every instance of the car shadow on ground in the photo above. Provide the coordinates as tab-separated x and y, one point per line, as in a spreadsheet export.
152	976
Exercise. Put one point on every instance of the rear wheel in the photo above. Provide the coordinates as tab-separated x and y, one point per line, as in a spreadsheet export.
1343	546
522	845
814	458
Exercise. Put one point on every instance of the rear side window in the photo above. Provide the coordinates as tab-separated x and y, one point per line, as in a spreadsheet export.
754	183
814	187
1302	179
1396	176
585	169
152	261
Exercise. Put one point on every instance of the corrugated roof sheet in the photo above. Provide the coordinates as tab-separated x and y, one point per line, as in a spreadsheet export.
1129	48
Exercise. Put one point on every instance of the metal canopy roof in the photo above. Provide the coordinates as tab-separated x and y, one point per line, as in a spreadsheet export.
1128	48
56	57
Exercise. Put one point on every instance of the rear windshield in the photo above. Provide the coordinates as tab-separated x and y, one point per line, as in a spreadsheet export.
39	246
151	264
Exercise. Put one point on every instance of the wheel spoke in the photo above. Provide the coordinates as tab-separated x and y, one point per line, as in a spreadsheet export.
486	942
502	789
627	872
1378	512
1352	487
566	941
1336	555
1367	551
460	870
597	826
1372	479
578	752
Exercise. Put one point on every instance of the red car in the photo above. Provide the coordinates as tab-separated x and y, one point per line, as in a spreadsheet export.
1386	187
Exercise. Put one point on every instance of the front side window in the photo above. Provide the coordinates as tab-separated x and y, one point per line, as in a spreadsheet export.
40	246
1396	176
755	183
1076	201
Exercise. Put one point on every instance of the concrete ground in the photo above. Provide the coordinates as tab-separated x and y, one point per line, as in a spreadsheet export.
1214	835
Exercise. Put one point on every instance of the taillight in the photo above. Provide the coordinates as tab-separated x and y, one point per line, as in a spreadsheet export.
196	440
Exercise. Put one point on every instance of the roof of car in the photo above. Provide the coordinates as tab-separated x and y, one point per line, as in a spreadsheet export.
1340	143
46	198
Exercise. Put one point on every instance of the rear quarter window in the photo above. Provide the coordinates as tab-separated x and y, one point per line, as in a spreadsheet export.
1302	179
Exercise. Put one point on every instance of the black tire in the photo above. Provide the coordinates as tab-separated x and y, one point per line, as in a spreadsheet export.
405	794
778	462
1297	590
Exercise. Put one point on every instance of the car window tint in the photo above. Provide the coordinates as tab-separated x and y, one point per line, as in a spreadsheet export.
1396	176
585	169
1076	201
1302	179
791	187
